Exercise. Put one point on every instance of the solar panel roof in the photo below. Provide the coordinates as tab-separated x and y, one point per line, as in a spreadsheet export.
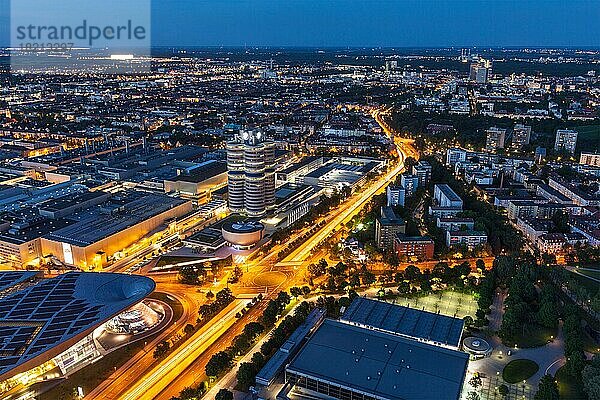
38	317
405	321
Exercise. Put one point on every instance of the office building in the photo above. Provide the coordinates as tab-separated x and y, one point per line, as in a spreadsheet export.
495	138
521	135
97	233
395	195
566	139
251	174
480	71
387	226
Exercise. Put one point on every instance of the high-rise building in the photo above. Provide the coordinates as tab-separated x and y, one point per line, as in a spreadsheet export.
386	228
481	70
495	139
251	174
423	171
521	136
566	139
395	195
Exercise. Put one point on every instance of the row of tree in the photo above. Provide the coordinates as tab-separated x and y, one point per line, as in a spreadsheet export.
222	299
222	361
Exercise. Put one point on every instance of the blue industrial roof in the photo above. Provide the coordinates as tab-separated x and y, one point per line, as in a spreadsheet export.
405	321
39	317
380	364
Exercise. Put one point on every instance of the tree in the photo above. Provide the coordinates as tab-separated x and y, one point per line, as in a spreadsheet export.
480	265
547	389
224	394
218	363
283	298
210	295
547	315
475	381
404	287
503	390
188	329
468	320
246	375
295	291
591	378
305	291
189	275
472	396
161	349
188	393
224	296
412	273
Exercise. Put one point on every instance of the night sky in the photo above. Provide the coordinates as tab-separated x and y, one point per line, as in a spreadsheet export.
357	23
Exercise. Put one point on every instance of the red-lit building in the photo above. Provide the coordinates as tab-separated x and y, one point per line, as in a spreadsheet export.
417	247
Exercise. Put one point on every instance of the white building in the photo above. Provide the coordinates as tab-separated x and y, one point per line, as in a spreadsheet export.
592	159
395	195
566	139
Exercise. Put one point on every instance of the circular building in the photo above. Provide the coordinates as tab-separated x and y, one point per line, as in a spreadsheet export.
477	347
243	234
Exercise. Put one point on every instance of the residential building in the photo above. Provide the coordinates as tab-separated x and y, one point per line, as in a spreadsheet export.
414	247
469	238
423	172
410	183
387	226
566	139
455	223
395	195
587	158
445	196
521	135
495	138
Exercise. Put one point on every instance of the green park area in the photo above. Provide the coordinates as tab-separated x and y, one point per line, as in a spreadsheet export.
519	370
569	388
446	302
588	137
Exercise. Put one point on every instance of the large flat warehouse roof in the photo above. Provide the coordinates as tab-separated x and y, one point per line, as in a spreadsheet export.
379	364
99	224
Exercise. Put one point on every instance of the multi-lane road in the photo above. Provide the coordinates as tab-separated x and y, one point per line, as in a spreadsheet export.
185	366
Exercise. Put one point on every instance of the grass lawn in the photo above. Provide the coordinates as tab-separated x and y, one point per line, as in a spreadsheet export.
568	387
590	285
519	370
537	336
589	136
591	273
447	302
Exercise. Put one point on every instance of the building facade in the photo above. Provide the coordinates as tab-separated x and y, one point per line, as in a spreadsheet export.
251	174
